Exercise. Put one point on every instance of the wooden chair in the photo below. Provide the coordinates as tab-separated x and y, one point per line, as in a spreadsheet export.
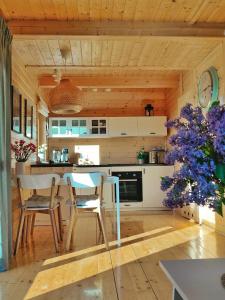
38	204
91	202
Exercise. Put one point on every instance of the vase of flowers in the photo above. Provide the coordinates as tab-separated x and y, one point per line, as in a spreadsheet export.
199	147
22	152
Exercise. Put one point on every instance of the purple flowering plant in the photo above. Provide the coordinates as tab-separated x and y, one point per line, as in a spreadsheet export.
199	147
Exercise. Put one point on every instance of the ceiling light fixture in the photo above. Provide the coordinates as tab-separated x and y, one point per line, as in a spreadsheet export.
65	96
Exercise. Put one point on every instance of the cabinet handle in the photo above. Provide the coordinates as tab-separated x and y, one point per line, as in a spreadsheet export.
123	133
127	205
109	172
144	170
152	132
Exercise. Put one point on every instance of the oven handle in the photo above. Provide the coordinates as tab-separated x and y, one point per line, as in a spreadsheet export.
127	179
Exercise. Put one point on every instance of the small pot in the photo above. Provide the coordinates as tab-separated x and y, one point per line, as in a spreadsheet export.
140	161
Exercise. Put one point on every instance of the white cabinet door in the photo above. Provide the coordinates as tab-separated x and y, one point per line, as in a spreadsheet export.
152	126
152	194
98	127
120	126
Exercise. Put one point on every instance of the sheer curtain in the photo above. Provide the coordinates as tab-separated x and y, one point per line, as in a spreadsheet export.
5	129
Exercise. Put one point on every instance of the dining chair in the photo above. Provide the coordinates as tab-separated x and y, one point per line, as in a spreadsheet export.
36	203
90	202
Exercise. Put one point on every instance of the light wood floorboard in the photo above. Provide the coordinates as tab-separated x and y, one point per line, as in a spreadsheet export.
130	271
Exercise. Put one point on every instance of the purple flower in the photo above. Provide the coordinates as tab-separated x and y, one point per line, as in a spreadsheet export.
198	145
166	183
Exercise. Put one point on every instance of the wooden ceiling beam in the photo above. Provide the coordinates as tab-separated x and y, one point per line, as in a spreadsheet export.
25	29
115	81
108	68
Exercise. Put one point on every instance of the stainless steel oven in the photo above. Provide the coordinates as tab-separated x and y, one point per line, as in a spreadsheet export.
130	186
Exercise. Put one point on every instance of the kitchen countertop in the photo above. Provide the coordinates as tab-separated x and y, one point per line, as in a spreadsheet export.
49	165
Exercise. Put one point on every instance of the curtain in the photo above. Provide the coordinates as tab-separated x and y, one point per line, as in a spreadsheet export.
5	140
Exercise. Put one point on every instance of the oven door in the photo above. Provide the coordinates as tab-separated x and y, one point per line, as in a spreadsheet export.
130	186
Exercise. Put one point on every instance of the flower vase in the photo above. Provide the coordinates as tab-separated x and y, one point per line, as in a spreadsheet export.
220	172
20	167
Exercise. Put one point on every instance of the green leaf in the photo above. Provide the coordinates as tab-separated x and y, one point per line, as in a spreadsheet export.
219	208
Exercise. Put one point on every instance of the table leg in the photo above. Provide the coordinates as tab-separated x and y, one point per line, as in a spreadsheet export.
118	211
114	208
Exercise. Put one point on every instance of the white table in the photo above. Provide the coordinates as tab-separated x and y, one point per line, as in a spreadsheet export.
115	182
196	279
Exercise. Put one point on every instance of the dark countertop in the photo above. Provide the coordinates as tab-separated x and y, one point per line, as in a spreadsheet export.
50	165
118	165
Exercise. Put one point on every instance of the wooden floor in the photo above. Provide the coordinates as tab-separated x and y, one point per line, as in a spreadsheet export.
90	272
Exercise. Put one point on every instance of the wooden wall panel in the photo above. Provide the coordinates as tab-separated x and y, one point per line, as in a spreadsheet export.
27	86
189	94
130	103
113	150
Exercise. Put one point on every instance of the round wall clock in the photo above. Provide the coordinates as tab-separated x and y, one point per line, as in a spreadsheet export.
208	88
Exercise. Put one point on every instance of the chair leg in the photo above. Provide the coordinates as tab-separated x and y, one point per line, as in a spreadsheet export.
60	222
101	218
70	229
54	230
33	223
24	234
73	230
19	232
99	223
56	225
28	227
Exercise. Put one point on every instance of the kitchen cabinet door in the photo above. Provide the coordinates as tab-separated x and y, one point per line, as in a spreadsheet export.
152	126
123	126
152	194
98	127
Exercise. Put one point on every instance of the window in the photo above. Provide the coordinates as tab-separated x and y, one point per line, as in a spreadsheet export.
88	154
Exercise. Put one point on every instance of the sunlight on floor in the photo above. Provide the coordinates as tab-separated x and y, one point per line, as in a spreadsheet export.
65	274
102	246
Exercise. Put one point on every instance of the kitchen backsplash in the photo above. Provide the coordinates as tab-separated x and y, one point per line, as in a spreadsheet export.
112	150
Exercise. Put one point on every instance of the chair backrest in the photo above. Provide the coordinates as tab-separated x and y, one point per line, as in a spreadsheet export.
84	180
35	182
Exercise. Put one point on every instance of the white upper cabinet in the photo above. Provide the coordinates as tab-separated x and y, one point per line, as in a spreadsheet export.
123	126
152	126
107	127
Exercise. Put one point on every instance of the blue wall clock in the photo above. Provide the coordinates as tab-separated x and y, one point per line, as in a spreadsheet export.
208	88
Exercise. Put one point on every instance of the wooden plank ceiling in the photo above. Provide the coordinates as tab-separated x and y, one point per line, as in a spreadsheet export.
147	53
191	11
116	44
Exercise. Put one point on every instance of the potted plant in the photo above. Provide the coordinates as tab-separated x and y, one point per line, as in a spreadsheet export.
141	156
22	152
199	147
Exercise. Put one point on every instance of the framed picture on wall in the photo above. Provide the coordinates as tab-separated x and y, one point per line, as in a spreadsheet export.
28	119
16	111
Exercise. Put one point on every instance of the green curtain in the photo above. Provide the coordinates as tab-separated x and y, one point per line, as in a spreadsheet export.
5	160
